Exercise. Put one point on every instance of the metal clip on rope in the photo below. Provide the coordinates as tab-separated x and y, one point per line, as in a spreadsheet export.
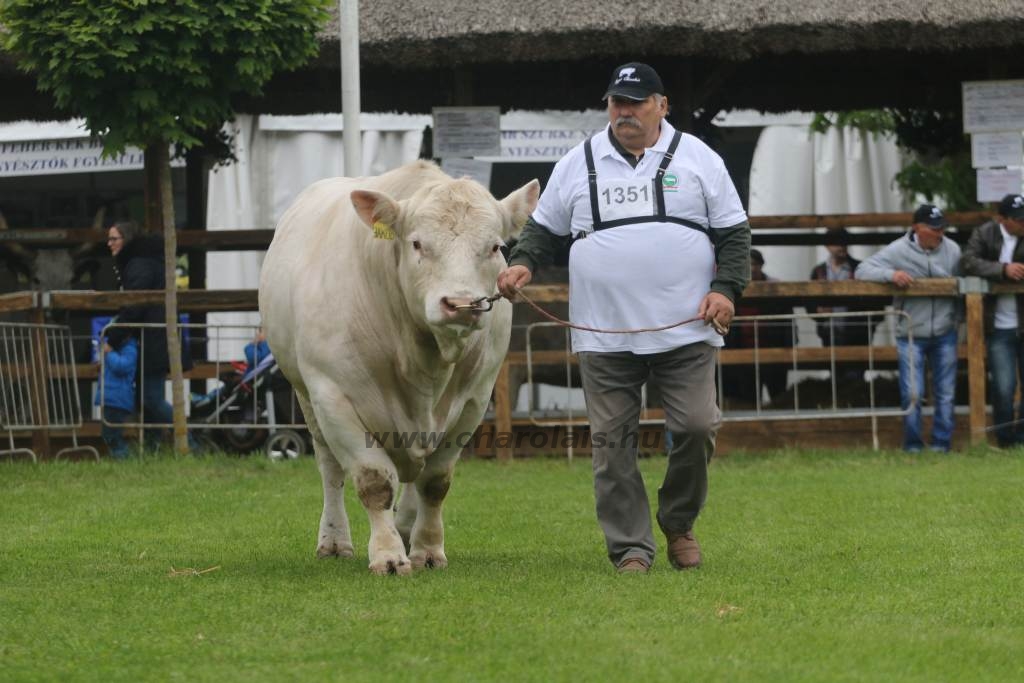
477	305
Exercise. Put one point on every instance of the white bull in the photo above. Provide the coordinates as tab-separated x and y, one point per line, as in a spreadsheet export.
362	294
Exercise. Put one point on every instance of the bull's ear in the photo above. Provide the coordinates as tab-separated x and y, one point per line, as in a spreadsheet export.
518	206
378	211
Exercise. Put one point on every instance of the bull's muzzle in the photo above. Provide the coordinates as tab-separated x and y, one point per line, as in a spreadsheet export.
463	309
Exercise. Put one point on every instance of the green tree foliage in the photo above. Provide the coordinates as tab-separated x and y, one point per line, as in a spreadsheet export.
145	70
155	73
940	156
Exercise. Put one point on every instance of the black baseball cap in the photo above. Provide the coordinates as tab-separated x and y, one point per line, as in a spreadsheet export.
930	215
836	236
1012	206
757	257
634	80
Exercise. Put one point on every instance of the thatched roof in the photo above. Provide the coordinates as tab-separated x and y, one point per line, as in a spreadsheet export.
416	34
773	55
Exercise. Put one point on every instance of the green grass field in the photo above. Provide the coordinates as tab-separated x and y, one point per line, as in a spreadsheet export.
818	567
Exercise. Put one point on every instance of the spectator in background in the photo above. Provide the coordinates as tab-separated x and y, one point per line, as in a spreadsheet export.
837	267
256	350
116	393
139	264
931	333
738	381
842	330
996	252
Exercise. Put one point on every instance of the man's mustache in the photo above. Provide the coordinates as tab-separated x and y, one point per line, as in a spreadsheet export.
628	121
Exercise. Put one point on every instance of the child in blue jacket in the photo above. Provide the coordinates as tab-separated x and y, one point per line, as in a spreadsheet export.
116	394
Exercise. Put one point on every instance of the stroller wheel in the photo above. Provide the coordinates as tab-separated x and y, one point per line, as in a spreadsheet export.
285	444
244	439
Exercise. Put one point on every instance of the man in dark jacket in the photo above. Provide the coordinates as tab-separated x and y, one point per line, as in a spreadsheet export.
839	266
139	263
737	380
996	252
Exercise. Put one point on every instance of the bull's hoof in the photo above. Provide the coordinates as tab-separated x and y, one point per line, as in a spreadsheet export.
428	559
401	567
334	550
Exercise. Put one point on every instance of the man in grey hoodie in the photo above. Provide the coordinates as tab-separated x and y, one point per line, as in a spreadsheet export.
931	331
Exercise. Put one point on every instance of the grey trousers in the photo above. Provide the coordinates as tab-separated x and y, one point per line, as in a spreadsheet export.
611	385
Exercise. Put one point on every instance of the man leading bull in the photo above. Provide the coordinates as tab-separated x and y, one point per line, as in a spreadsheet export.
658	235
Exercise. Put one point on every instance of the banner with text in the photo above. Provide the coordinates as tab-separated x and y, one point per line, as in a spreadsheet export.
74	155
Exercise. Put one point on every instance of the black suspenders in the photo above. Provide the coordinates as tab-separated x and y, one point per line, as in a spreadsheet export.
659	193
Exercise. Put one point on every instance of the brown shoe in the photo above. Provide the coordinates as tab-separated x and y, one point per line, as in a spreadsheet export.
683	550
634	565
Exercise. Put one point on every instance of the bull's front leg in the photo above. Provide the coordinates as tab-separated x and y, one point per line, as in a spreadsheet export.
376	482
426	543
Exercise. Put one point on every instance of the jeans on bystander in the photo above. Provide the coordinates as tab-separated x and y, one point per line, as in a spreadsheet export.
1005	364
940	355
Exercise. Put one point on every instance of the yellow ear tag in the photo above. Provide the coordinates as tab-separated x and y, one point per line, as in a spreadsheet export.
383	231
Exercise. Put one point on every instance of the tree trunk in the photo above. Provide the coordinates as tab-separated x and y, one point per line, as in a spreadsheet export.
161	159
152	209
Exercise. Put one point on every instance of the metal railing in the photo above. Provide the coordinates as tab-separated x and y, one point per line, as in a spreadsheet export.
794	358
248	406
38	385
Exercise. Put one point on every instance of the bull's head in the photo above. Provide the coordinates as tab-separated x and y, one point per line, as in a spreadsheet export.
50	269
448	238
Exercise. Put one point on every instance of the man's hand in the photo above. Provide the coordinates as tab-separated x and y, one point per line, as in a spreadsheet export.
902	279
513	278
1014	271
717	311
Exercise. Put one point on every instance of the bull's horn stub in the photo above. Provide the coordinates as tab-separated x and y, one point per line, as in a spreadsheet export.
383	231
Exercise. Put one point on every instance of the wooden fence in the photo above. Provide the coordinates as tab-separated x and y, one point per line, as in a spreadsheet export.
766	230
794	293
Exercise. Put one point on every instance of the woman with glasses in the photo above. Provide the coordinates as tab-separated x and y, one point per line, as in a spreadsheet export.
139	264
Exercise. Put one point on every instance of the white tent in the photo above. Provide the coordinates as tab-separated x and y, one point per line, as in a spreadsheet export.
795	172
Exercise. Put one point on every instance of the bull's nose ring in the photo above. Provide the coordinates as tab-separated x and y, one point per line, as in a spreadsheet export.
481	305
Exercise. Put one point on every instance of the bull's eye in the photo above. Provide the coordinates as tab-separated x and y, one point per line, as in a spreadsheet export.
495	248
417	245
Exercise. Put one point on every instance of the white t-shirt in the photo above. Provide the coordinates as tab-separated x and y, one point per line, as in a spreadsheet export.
643	274
1006	304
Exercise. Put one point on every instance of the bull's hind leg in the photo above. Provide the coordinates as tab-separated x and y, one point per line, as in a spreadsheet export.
426	548
334	538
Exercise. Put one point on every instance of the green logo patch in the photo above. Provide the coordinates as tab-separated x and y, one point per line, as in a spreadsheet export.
669	182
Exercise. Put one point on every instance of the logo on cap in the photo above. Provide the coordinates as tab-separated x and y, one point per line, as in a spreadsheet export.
627	74
930	215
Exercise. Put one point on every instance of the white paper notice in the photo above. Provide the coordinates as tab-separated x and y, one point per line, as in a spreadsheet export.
996	183
991	150
467	132
479	171
992	106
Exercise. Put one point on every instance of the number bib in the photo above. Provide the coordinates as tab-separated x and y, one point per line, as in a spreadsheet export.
618	199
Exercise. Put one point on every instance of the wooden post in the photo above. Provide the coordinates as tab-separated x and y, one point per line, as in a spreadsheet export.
502	414
39	381
976	367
